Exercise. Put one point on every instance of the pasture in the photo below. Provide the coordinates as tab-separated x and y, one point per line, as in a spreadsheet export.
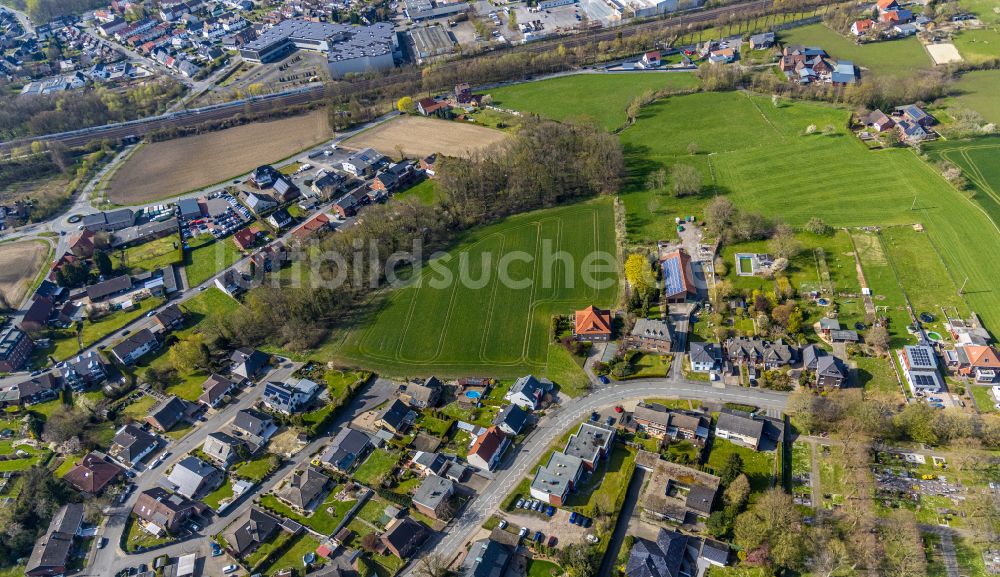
20	263
897	58
601	98
421	136
977	91
485	306
165	169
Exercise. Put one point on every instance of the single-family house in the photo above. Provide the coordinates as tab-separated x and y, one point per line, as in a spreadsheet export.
433	497
862	27
280	219
259	203
650	59
93	473
879	120
347	449
667	556
348	205
169	318
511	419
363	163
290	396
981	362
248	363
761	41
403	537
592	324
429	106
915	114
303	487
396	417
113	286
223	448
192	476
487	449
135	346
215	389
528	392
740	428
254	427
887	5
161	511
919	364
487	558
167	413
131	444
705	357
250	530
421	395
31	391
245	238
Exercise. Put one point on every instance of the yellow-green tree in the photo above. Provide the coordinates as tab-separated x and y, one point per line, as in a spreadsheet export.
639	273
405	105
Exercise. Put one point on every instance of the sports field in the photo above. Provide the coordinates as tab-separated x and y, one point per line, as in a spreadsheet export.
166	169
890	58
488	325
598	97
420	136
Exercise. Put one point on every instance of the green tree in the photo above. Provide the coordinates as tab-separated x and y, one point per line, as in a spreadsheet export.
771	532
737	493
731	469
685	180
103	262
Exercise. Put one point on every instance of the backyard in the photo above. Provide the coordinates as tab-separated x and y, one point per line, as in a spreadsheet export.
324	519
758	466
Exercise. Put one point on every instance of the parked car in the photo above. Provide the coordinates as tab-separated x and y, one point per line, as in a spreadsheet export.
572	518
522	532
538	537
553	540
503	524
604	380
520	504
592	538
102	542
550	511
229	569
586	522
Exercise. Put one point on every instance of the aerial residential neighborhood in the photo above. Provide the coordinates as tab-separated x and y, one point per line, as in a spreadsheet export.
499	289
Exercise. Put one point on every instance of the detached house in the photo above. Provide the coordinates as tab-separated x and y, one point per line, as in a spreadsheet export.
879	121
51	553
678	277
163	512
254	427
167	413
192	476
248	363
487	449
650	336
346	450
740	428
592	324
303	487
135	346
528	392
705	357
421	395
291	396
433	497
396	417
363	163
215	388
131	444
250	531
222	448
93	473
862	27
403	537
919	364
980	362
511	419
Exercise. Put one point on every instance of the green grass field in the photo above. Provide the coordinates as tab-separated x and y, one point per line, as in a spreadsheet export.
896	58
426	192
203	262
977	91
757	466
152	255
983	44
601	98
378	466
485	324
324	519
292	558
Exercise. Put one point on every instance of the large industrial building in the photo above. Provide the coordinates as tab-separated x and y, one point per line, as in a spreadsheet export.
431	41
348	48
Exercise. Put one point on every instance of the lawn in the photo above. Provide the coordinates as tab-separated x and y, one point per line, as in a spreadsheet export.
876	374
887	293
649	366
538	568
605	490
897	58
139	539
139	408
223	493
302	544
377	467
984	44
426	192
151	255
322	520
475	322
258	468
34	457
600	98
204	261
984	398
758	466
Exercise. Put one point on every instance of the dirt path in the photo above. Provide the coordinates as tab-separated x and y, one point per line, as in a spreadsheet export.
814	477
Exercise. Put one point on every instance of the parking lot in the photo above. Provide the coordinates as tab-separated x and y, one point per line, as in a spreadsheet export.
558	524
222	221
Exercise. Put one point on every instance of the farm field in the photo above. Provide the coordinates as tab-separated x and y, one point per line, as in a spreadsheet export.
166	169
483	324
897	58
601	98
978	92
421	136
20	264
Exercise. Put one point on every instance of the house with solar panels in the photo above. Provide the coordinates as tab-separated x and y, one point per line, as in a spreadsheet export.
920	368
678	279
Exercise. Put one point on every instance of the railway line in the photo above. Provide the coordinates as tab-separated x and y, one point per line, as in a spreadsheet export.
316	93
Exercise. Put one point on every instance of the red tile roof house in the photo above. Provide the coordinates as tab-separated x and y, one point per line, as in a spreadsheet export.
592	324
861	27
488	449
980	362
245	238
429	106
308	228
887	5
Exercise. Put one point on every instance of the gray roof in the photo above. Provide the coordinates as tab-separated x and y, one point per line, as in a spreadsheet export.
169	411
109	287
303	486
741	424
394	414
705	353
488	559
651	414
811	355
191	474
557	474
714	551
130	442
345	448
344	41
700	498
435	462
662	558
251	421
52	550
513	416
651	329
251	530
588	441
133	343
433	491
829	366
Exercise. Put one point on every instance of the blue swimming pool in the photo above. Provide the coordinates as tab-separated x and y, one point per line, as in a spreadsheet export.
473	394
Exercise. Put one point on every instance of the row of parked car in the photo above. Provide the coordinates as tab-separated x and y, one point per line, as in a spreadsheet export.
535	505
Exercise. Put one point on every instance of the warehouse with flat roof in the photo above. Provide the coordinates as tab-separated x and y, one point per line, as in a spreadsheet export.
431	41
348	48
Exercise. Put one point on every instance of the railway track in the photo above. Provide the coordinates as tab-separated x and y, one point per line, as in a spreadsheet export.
308	95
